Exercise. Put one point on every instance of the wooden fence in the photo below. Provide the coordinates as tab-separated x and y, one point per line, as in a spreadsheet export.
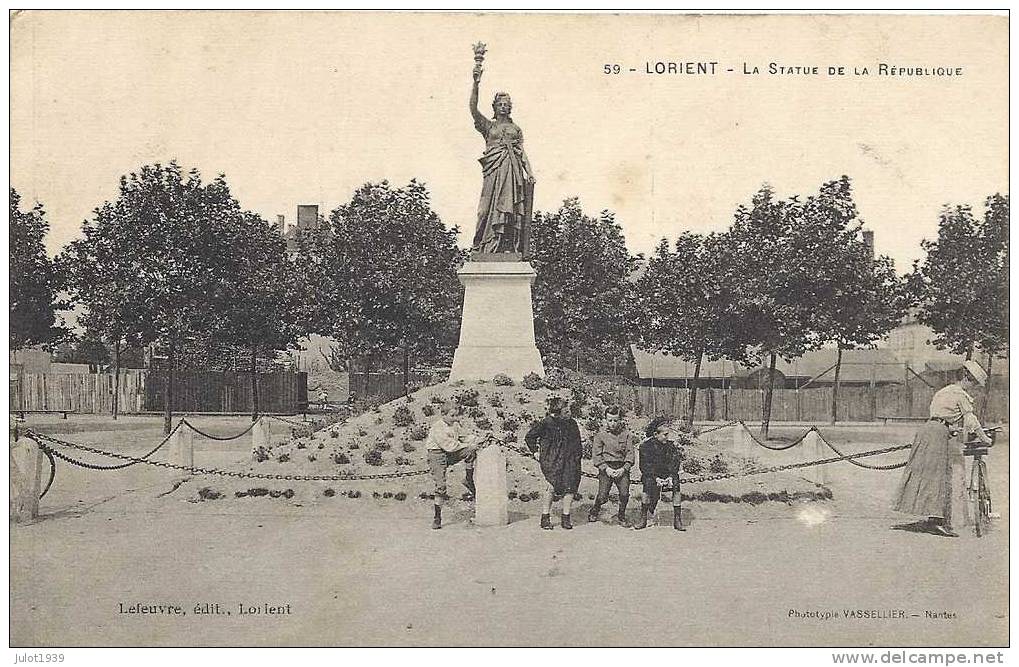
228	391
808	405
388	385
90	393
144	391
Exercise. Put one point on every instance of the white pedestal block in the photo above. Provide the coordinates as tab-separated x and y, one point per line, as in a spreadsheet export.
26	479
814	450
260	434
490	505
497	327
182	447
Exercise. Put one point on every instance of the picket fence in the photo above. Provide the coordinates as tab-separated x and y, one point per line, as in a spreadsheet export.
807	405
144	391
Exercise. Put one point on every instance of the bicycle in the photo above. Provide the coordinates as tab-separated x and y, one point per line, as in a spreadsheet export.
978	489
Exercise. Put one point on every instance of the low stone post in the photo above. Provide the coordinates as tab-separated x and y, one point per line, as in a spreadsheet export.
182	447
491	505
260	434
26	478
814	449
742	445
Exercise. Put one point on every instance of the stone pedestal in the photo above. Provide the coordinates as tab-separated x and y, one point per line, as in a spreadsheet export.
260	434
491	507
497	328
182	447
26	479
813	449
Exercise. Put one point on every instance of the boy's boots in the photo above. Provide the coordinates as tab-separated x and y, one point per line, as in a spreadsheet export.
546	522
469	483
565	522
595	511
677	519
642	521
437	521
622	513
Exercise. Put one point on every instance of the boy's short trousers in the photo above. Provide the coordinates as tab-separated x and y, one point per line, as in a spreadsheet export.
440	460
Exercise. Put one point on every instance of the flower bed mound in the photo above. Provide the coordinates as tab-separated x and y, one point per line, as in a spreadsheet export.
389	438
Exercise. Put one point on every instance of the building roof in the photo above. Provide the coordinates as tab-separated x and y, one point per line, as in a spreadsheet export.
857	366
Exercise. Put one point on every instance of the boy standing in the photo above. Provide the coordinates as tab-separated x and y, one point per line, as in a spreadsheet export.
447	444
612	454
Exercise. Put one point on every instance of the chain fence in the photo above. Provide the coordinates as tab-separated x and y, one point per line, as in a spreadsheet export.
49	445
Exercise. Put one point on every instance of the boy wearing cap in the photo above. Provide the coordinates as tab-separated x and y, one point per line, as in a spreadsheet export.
932	482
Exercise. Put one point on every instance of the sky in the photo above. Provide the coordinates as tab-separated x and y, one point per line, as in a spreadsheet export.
302	108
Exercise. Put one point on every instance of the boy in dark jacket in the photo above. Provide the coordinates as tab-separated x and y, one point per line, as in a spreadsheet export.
612	454
659	465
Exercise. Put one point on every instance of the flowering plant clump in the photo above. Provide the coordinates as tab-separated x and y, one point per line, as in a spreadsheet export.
466	397
592	424
329	493
495	400
400	495
403	416
475	412
509	436
427	410
556	378
718	465
438	399
417	432
407	447
522	398
401	461
283	458
483	422
693	466
502	380
373	457
339	458
532	381
510	423
260	453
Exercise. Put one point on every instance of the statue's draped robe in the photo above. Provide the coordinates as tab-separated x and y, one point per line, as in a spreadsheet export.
505	193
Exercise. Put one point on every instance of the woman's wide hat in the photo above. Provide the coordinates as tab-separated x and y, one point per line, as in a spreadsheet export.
977	371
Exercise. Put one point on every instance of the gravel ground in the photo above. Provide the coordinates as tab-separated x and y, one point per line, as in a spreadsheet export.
370	572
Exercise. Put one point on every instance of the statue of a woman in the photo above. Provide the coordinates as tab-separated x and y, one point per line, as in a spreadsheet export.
507	193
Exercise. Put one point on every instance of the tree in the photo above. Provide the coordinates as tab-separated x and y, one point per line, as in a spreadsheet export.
260	297
155	265
34	280
581	291
961	286
382	281
857	299
681	306
773	311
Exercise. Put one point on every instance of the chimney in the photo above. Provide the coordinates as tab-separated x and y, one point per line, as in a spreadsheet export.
868	240
307	216
281	223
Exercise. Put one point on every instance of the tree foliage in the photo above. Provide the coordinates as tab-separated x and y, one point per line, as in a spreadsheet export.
856	298
580	294
961	286
34	280
383	280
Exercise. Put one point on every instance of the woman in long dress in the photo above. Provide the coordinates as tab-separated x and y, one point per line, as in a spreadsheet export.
507	189
933	482
556	442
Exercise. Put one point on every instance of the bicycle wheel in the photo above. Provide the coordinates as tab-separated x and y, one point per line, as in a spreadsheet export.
983	499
